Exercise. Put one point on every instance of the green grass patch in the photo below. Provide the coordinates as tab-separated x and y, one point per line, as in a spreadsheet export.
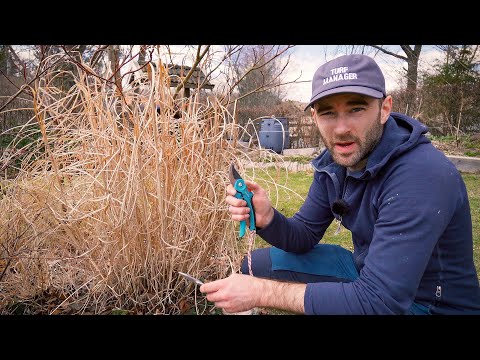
472	153
472	181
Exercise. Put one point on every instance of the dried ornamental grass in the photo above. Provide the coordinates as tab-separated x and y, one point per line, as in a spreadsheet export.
114	199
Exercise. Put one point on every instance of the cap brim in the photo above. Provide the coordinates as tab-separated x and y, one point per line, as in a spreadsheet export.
346	89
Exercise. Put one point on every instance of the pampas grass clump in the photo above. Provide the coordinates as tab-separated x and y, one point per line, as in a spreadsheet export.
114	198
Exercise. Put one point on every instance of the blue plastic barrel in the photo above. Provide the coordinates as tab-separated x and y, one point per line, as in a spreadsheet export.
286	131
274	134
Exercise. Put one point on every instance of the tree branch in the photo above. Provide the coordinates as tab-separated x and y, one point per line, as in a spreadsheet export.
198	58
389	52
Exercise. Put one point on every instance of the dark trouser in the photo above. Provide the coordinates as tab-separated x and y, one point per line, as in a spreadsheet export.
325	262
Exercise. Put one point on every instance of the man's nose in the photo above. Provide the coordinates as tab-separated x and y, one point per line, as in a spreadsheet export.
342	125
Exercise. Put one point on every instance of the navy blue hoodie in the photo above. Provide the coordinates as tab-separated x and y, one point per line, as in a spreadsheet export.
411	229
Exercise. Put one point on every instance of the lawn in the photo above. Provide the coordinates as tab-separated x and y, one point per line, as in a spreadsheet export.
296	185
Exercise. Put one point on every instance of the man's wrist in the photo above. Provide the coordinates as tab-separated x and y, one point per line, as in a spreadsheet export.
264	290
269	218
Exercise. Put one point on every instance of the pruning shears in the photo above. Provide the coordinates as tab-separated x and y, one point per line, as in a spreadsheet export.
242	193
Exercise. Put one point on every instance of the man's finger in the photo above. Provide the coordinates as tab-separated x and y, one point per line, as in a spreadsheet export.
232	200
235	210
231	190
211	286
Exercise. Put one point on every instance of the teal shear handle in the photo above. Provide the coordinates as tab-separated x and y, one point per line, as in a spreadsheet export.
243	193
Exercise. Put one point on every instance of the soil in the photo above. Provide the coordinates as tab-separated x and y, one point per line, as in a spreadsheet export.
450	148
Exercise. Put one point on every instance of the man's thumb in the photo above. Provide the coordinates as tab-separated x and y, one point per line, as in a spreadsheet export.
252	186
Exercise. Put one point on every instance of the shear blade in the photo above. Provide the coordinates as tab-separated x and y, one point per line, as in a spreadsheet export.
191	278
233	174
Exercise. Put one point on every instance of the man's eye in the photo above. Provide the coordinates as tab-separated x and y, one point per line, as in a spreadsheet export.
357	109
326	113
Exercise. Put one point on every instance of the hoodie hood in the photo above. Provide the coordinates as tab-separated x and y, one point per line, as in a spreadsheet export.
400	134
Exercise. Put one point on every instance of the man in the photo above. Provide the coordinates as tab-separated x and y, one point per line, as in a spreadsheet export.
404	202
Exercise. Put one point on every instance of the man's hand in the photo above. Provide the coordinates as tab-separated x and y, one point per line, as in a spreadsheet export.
240	292
240	211
235	293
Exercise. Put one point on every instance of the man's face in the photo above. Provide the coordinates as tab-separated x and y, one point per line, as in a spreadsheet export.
351	125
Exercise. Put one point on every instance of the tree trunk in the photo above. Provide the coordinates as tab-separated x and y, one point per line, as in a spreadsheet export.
413	56
459	119
113	57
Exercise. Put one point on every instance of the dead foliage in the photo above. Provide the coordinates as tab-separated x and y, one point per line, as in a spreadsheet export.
113	198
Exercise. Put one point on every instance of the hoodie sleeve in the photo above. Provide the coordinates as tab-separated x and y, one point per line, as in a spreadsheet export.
415	205
305	229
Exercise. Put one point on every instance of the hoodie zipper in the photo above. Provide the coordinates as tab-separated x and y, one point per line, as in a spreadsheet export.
438	291
344	192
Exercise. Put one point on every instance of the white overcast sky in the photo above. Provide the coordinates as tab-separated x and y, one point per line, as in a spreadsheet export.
305	59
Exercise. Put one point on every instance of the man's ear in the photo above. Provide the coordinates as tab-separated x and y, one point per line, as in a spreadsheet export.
386	109
312	112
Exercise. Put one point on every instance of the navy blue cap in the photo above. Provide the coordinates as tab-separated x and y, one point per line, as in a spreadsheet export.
354	73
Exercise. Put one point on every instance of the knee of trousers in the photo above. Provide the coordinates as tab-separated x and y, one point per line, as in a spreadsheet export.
261	263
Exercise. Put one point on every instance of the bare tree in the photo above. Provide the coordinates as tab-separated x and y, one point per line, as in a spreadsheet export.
255	75
258	73
411	57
